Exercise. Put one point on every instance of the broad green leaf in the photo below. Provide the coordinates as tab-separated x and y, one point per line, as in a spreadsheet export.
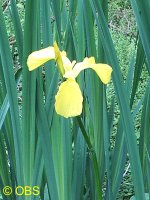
127	119
7	65
142	14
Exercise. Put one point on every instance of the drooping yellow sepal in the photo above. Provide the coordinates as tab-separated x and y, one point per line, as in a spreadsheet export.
87	62
69	99
103	71
38	58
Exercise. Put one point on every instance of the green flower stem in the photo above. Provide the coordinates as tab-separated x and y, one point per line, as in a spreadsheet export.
93	157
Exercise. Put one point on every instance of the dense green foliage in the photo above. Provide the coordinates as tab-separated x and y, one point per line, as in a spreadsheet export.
40	148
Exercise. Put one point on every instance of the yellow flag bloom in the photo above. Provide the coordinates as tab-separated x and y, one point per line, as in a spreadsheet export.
68	100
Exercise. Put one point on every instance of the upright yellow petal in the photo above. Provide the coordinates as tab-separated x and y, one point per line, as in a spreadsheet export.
63	53
103	71
63	62
69	99
38	58
58	57
66	63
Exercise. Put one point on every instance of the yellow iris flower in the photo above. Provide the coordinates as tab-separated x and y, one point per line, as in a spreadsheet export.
68	100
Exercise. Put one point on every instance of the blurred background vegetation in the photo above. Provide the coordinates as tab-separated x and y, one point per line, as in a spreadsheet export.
123	28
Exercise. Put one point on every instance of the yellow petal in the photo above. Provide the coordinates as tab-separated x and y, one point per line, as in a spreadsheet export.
58	57
69	99
69	74
103	71
63	53
66	63
87	62
38	58
78	68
